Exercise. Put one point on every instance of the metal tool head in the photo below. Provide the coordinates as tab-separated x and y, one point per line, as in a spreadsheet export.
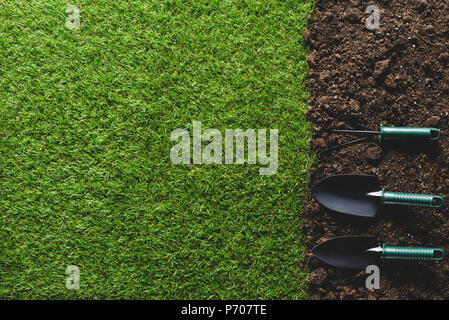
348	193
348	252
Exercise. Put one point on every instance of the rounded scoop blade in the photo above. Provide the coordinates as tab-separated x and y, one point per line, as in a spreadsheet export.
347	252
348	193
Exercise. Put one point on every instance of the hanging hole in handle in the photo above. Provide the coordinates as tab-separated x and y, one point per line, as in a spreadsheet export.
437	202
438	254
434	134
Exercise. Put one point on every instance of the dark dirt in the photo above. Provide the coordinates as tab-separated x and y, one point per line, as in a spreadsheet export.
396	76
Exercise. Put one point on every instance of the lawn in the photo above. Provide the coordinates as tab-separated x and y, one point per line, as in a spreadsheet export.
85	173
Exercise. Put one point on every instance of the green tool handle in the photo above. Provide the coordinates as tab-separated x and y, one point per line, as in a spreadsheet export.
408	133
416	254
412	199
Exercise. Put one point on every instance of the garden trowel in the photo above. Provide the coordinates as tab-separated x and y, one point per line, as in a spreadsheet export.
362	195
358	252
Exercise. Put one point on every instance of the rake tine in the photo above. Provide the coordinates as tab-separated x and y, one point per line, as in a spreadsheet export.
338	117
356	132
345	144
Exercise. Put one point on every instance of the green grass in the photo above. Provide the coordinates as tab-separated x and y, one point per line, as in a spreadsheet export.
85	171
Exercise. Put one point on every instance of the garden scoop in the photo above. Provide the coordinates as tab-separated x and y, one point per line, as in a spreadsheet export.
358	252
362	195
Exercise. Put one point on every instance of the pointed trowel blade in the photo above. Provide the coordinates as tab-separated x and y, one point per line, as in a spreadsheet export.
348	193
348	252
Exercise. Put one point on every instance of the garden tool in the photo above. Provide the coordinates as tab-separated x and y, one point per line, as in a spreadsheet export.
382	134
362	195
358	252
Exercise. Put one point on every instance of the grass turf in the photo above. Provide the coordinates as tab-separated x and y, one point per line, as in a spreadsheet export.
85	171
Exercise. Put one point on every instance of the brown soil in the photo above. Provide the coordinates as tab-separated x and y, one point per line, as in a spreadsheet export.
396	76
